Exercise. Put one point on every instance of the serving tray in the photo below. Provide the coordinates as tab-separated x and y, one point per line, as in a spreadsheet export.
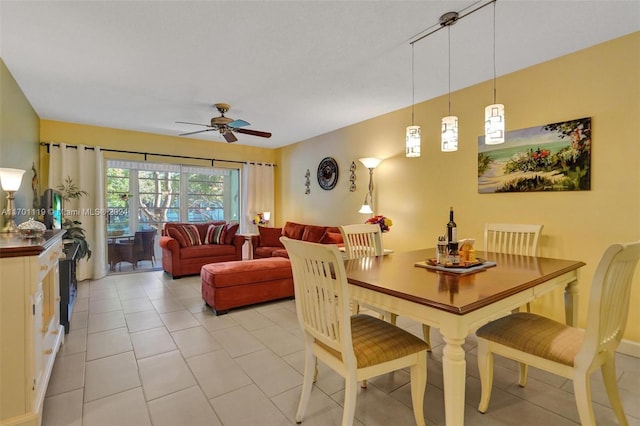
467	268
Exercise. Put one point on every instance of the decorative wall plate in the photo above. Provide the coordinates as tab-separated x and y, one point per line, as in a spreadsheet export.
327	173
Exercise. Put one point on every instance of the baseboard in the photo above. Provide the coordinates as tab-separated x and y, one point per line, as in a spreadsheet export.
629	347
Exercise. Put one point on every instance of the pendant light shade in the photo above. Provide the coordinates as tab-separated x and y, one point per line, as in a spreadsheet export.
449	140
494	124
413	141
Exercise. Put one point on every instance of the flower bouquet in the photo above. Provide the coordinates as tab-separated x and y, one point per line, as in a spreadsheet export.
259	220
384	222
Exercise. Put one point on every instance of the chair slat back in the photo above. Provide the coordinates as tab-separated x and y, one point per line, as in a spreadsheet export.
321	294
512	238
361	240
609	298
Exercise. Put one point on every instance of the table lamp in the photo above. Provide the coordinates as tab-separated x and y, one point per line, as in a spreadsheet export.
10	179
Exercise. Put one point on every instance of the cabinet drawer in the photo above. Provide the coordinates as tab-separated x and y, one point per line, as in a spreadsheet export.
48	260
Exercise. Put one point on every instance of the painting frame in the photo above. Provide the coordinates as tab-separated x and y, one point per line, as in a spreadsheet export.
551	157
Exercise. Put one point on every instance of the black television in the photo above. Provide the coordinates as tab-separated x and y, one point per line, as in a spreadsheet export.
52	204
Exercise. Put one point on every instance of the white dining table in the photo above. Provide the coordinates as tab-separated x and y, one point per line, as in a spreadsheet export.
457	304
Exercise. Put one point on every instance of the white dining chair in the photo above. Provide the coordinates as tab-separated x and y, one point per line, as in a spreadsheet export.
512	238
570	352
357	347
363	240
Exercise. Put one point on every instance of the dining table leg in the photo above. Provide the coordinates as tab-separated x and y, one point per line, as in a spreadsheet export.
454	376
571	303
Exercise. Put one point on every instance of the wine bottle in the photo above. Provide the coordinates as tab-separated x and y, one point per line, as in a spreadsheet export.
452	230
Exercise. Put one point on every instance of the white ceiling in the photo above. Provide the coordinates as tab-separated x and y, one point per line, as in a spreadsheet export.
295	68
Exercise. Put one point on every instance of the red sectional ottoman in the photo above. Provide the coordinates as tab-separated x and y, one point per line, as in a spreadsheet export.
227	285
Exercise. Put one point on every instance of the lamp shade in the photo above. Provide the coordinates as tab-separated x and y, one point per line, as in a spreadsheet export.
494	124
10	179
370	162
365	209
413	141
449	141
266	216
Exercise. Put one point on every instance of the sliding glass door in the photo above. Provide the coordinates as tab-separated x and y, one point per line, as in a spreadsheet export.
144	195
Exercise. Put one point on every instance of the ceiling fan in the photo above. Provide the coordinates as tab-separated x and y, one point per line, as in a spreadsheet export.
226	126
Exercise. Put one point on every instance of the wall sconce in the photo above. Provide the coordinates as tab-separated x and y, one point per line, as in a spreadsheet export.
449	137
352	177
307	182
494	114
10	179
370	163
413	132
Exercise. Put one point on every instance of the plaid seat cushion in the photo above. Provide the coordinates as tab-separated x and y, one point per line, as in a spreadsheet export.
535	335
376	341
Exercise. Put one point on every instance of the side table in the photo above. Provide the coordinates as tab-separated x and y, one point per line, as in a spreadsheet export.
248	239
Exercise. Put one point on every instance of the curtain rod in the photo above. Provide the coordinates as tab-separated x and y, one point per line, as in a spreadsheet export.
440	26
91	148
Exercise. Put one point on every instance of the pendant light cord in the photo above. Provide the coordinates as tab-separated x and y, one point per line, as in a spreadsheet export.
494	52
449	54
413	83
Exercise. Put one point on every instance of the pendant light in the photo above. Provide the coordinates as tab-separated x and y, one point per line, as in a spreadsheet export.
413	132
494	114
449	138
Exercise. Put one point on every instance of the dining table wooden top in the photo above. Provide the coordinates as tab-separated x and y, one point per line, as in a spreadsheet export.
397	275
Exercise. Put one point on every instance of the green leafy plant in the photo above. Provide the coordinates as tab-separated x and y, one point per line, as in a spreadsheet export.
75	233
71	191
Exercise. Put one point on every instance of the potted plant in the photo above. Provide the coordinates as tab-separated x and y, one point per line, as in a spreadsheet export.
74	233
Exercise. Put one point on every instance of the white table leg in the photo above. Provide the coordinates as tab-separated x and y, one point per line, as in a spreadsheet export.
454	375
571	303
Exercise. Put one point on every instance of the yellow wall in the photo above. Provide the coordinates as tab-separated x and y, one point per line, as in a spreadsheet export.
602	82
19	128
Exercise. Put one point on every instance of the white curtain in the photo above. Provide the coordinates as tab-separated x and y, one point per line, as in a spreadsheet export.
257	192
85	168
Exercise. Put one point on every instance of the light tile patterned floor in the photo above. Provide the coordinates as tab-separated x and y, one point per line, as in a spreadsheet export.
144	350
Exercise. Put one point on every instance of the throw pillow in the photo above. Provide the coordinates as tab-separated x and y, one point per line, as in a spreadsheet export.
313	233
270	237
174	233
332	238
232	229
215	234
293	230
191	235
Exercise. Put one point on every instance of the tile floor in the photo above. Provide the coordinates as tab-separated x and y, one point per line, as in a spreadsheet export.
143	350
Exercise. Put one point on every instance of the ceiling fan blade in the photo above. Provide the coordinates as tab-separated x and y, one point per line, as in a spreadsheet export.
197	131
253	132
195	124
229	137
238	123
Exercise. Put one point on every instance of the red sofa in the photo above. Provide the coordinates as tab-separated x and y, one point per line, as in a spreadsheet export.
267	243
186	247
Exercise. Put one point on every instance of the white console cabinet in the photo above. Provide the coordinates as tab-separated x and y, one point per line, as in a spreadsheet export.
30	330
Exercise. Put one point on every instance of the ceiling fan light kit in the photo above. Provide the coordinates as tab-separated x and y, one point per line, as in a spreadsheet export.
226	126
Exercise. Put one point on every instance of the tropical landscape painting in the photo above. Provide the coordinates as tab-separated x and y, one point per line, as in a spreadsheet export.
553	157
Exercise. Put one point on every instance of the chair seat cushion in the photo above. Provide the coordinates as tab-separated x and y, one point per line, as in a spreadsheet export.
376	341
535	335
